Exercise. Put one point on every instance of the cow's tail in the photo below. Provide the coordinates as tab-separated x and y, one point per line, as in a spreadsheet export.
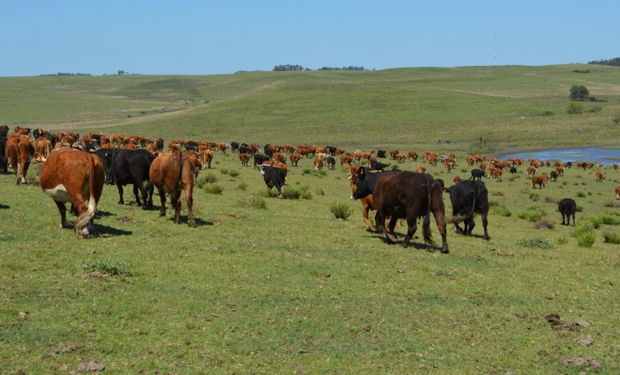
91	209
470	214
426	225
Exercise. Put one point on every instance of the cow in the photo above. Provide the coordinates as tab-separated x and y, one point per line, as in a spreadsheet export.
553	175
331	150
259	159
4	161
345	159
618	192
132	167
409	195
318	164
106	160
377	165
599	176
541	181
206	156
20	151
274	177
234	146
467	198
567	207
331	162
381	154
70	175
367	202
569	164
559	170
4	130
400	157
456	180
532	170
170	173
294	158
421	168
477	174
244	159
513	171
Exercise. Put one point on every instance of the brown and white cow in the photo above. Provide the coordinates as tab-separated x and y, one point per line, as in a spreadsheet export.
599	176
70	175
20	151
618	192
172	172
206	156
540	181
294	158
43	146
318	164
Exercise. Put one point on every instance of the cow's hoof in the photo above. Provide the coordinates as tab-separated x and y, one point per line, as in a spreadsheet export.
391	238
144	208
445	251
162	214
487	238
191	223
372	228
121	202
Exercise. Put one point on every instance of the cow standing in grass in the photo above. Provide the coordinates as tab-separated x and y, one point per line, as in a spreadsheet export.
567	208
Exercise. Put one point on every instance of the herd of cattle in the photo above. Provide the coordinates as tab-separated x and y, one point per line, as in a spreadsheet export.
75	169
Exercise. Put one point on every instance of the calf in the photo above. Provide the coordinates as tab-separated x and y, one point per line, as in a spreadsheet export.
567	207
275	177
171	173
132	167
70	175
331	162
599	176
467	198
476	174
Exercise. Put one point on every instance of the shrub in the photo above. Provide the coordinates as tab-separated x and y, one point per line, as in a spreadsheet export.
213	189
546	113
595	109
296	192
561	241
616	118
608	219
268	193
108	266
574	108
501	211
242	186
586	239
208	179
532	216
579	208
254	202
544	222
580	194
595	220
584	226
314	172
534	197
535	242
551	200
341	210
611	237
224	171
233	173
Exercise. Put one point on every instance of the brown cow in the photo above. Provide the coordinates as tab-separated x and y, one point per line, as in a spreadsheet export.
20	151
599	176
559	170
318	164
618	192
294	158
413	155
43	146
171	172
540	181
457	179
206	156
532	170
421	168
244	158
352	171
401	157
70	175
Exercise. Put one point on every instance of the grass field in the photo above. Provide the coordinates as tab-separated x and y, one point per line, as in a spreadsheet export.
289	288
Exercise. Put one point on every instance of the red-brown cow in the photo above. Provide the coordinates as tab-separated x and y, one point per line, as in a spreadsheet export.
294	158
43	146
172	172
318	164
599	176
244	158
540	181
20	151
618	192
70	175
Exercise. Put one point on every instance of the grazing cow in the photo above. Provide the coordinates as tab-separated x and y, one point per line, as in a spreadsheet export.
401	157
413	155
222	147
345	159
513	171
269	150
409	195
583	165
553	175
393	153
540	181
381	154
532	170
467	198
331	150
599	176
615	167
331	162
567	207
4	130
234	146
421	168
274	177
170	173
206	156
294	158
448	166
20	151
70	175
377	165
244	159
259	159
4	168
106	161
132	167
339	151
456	180
477	174
618	192
559	170
318	164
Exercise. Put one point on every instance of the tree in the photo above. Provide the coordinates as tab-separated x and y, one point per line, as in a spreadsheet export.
121	72
579	93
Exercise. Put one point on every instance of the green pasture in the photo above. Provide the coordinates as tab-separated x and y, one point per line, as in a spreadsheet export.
288	288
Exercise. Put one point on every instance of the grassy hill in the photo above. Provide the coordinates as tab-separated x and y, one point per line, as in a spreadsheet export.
391	108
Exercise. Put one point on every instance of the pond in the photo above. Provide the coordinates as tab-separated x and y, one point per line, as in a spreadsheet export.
607	156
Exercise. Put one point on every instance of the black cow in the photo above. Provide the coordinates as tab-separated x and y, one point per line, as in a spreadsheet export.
268	150
4	160
243	149
584	165
567	208
553	175
96	138
159	145
234	146
381	154
132	167
569	164
38	133
468	197
477	174
192	146
52	138
366	182
331	162
331	150
275	177
259	159
106	159
513	170
410	195
378	165
4	130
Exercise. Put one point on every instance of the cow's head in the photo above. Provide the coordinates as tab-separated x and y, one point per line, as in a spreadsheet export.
263	167
362	190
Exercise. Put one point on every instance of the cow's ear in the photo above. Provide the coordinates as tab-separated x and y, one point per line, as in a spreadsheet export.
362	173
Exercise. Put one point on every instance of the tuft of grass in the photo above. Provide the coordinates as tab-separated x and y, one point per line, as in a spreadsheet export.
213	189
268	193
546	113
242	186
313	172
544	222
532	216
254	202
319	191
579	208
561	241
224	171
233	173
586	239
341	210
580	194
209	178
501	211
534	197
551	200
296	192
611	237
108	266
535	242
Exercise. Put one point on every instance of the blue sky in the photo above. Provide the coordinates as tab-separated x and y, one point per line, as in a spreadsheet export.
219	37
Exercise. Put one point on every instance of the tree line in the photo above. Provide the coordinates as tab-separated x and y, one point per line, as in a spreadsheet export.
611	62
64	74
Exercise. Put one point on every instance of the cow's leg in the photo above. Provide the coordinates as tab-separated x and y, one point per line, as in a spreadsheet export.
190	204
573	220
412	225
380	221
365	210
162	200
439	213
392	220
136	193
485	222
63	214
150	201
456	225
120	194
176	203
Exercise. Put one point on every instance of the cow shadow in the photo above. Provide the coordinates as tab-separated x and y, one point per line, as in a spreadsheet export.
101	214
4	206
198	222
416	242
106	231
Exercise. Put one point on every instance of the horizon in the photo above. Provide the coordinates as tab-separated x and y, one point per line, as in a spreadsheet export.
209	38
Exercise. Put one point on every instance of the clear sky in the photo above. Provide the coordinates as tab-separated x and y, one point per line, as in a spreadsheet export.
214	37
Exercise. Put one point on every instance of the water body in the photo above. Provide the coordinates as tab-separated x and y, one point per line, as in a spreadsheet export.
607	156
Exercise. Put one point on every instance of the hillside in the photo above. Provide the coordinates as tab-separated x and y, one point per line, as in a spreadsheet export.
394	107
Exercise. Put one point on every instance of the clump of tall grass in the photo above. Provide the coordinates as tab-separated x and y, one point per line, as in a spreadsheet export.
341	210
